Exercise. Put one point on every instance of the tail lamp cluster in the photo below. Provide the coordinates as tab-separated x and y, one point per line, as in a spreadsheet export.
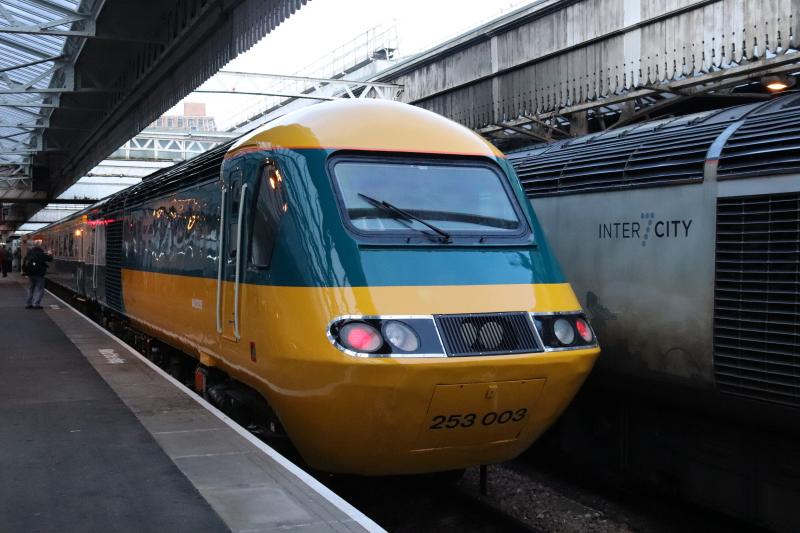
563	331
460	335
386	337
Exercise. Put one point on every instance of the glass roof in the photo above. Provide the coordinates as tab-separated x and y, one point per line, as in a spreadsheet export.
33	34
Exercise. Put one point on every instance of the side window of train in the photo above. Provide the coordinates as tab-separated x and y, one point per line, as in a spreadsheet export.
270	206
235	193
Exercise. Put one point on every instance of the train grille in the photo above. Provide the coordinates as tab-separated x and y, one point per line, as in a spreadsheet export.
757	297
487	334
765	145
672	154
114	265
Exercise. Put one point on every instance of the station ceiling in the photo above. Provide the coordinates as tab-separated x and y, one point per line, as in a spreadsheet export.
78	78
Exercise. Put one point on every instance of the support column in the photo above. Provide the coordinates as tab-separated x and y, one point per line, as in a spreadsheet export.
632	40
579	123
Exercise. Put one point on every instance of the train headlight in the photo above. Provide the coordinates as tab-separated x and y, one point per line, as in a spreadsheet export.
584	330
360	337
563	331
400	336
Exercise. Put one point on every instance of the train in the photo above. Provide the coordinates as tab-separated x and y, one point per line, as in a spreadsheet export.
689	270
371	270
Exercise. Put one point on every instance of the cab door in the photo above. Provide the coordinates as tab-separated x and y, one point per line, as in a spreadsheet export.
230	274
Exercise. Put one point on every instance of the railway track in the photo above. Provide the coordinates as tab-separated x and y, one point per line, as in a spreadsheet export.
422	503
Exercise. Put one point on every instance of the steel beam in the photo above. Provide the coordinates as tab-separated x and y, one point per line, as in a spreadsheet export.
14	169
23	126
32	63
47	28
67	76
8	196
258	84
22	196
50	6
21	105
528	133
248	76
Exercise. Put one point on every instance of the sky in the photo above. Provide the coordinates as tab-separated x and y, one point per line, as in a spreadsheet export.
321	26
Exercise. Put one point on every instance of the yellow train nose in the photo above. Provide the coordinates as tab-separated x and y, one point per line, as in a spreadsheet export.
403	417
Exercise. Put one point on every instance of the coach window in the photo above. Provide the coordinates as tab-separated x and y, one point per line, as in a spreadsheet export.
270	206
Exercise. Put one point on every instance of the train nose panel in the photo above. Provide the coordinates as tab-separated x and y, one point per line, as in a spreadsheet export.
478	413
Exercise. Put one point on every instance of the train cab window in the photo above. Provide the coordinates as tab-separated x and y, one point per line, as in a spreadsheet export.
428	200
270	206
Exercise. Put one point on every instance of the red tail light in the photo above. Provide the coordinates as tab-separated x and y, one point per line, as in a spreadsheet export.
360	337
583	330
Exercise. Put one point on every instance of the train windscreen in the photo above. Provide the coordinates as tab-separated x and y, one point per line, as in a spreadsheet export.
395	196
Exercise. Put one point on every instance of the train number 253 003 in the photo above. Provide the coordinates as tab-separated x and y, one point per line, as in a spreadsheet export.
471	419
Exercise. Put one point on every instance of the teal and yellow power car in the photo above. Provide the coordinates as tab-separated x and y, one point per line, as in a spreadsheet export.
372	269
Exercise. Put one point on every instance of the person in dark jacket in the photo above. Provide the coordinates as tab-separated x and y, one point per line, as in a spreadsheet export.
17	260
9	258
4	255
35	267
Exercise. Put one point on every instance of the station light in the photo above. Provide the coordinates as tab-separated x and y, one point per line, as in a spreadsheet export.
777	83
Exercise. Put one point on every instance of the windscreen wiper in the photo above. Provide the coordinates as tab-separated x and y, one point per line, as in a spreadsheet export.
382	204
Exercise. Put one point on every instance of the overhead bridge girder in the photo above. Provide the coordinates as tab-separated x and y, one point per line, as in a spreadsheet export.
284	86
21	196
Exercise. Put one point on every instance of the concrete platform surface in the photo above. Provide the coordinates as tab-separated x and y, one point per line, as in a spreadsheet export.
95	438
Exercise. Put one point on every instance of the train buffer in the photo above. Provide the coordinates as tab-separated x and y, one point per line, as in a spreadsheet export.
94	438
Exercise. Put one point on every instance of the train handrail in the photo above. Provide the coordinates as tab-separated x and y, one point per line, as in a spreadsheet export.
219	258
238	264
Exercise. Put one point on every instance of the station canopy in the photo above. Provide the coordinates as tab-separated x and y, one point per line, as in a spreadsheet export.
78	78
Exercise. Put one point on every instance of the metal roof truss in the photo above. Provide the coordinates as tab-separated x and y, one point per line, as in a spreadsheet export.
37	61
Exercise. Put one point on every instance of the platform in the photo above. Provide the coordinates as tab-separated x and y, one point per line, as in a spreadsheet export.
95	438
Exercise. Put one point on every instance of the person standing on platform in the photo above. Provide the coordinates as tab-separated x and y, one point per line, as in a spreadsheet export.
35	267
9	257
17	263
3	256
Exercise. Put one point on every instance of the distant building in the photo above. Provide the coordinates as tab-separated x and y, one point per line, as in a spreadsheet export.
194	118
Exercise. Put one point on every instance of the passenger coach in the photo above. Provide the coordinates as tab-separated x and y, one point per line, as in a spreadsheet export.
371	269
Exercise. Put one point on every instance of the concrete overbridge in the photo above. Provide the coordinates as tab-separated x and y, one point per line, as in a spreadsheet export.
78	78
560	68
